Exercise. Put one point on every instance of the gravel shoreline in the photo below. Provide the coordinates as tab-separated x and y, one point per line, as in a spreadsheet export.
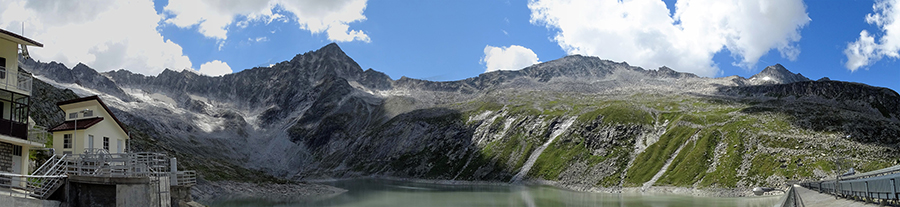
206	192
654	190
661	190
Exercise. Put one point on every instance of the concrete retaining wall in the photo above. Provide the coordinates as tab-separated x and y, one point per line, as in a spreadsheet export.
6	200
111	191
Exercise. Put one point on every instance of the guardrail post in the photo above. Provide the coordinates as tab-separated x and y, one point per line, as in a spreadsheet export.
867	196
893	189
836	186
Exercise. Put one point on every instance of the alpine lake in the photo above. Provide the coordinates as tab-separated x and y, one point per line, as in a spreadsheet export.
378	192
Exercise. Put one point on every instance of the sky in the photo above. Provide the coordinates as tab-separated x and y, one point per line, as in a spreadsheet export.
847	40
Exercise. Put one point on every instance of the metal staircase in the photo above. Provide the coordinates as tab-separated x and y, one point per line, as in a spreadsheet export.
47	178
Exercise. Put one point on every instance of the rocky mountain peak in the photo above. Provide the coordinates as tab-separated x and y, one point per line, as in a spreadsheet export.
81	66
330	51
776	74
332	48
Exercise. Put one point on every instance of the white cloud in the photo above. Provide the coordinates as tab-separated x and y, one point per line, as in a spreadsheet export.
215	68
258	39
865	50
643	33
514	57
213	17
104	34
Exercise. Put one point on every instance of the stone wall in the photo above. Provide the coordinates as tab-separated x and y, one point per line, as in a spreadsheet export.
180	195
6	150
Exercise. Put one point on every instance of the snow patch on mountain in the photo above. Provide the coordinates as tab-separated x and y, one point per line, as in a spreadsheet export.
78	89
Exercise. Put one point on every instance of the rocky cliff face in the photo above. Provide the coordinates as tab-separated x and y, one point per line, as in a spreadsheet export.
577	121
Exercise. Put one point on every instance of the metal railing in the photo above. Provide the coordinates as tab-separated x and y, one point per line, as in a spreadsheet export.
879	186
186	178
23	81
101	163
10	186
47	178
39	134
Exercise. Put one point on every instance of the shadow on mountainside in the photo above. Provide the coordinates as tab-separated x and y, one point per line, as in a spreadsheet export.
434	143
864	113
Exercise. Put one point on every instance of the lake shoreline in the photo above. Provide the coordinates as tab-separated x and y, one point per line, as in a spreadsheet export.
209	192
653	190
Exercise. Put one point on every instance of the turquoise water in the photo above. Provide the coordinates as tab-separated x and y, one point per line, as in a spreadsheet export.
371	192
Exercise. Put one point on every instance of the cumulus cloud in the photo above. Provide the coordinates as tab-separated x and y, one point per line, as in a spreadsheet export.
514	57
213	17
865	50
215	68
643	33
104	34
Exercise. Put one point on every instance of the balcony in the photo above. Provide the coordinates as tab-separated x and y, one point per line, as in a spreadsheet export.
13	129
21	83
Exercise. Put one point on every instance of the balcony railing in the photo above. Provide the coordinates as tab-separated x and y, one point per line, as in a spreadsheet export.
22	82
14	129
39	134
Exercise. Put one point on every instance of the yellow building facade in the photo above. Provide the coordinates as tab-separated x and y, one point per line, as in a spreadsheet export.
89	126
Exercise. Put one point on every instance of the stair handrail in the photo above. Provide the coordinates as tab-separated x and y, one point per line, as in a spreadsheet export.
38	170
55	165
47	183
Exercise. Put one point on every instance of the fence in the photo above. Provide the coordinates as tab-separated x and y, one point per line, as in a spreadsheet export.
95	163
880	186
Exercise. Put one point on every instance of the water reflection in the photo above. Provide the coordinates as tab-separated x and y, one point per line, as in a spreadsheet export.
371	192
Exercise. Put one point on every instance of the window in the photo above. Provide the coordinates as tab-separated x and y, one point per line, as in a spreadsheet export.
17	150
73	115
2	68
119	144
67	141
88	113
106	143
90	141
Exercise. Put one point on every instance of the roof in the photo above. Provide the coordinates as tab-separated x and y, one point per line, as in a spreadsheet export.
82	124
18	38
89	98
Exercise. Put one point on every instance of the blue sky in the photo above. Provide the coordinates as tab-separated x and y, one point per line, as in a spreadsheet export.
452	40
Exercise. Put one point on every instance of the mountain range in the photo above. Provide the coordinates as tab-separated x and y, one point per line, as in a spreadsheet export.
579	122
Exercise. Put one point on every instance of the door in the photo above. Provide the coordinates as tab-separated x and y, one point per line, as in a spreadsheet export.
119	145
16	168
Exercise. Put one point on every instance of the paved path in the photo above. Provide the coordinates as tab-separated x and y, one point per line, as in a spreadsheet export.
813	198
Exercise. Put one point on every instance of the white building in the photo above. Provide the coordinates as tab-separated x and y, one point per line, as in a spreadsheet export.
89	125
